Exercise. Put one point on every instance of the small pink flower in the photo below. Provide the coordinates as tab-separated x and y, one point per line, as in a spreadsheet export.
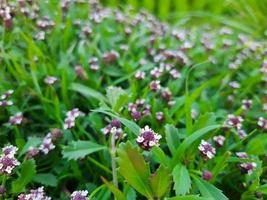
246	104
16	119
234	121
148	138
50	80
207	150
262	123
155	86
139	75
219	140
79	195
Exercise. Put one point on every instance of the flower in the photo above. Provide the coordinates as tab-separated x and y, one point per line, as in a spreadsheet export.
69	121
175	74
139	75
110	57
7	160
148	138
114	128
206	175
219	140
234	85
16	119
262	123
159	116
79	195
47	144
50	80
241	133
2	190
7	94
5	103
207	150
243	155
247	168
155	86
37	194
32	152
246	104
166	94
234	121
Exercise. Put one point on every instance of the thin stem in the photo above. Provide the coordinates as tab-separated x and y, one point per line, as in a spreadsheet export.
99	165
113	160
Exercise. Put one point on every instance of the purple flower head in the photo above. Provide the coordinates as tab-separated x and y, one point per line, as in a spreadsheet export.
79	195
241	133
9	150
219	140
50	80
194	113
148	138
37	194
136	115
166	94
16	119
206	175
69	121
7	94
243	155
114	128
155	86
56	134
247	168
207	150
47	144
7	160
140	75
246	104
175	74
234	85
262	123
110	57
5	103
159	116
156	72
234	121
140	102
32	152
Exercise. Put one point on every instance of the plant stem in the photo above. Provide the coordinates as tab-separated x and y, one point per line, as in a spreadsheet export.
113	160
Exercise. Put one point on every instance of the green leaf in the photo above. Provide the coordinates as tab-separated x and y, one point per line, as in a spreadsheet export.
46	179
181	178
129	124
133	168
263	189
28	171
209	190
204	120
117	97
257	145
189	197
87	92
172	137
80	149
160	181
160	155
197	135
117	193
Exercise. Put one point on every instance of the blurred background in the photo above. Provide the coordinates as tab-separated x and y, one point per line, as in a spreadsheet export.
249	16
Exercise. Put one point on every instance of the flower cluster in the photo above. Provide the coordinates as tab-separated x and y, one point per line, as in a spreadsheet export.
4	99
148	138
69	121
207	150
37	194
139	109
234	121
16	119
79	195
50	80
246	168
114	128
7	160
262	123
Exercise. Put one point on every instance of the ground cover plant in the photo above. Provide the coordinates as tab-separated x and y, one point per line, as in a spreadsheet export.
98	103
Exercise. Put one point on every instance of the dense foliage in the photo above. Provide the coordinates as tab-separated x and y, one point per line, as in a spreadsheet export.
105	104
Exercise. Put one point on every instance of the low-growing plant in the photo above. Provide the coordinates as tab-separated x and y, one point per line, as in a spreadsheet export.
100	103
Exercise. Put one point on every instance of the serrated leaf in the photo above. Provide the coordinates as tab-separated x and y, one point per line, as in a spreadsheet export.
208	190
80	149
117	193
134	169
181	178
160	181
172	137
46	179
28	171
